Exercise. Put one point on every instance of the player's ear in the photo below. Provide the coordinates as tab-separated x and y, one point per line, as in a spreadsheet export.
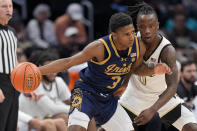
113	34
137	27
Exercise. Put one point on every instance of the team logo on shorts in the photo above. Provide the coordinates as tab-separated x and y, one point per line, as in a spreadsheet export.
76	99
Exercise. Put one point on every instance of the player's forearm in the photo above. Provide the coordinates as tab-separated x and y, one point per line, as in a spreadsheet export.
172	82
55	66
144	70
164	98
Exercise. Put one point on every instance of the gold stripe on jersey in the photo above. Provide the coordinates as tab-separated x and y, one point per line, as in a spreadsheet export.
169	110
130	48
108	50
137	47
129	109
113	46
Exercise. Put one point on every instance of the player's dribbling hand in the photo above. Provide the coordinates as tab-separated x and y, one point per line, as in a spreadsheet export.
144	117
118	93
162	68
2	97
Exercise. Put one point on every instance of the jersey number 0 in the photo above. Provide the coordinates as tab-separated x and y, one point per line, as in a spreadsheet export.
142	79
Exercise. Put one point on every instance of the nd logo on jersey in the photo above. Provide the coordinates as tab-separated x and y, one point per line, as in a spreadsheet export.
116	70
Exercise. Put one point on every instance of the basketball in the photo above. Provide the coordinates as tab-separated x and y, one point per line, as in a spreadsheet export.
26	77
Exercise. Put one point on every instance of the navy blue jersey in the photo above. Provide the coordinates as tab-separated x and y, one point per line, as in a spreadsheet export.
93	94
108	75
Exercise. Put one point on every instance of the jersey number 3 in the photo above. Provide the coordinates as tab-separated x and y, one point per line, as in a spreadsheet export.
115	83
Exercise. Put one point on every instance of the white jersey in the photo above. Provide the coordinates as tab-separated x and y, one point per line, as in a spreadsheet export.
155	84
144	91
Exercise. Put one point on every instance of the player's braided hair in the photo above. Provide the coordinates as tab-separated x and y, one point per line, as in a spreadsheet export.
140	8
119	20
146	10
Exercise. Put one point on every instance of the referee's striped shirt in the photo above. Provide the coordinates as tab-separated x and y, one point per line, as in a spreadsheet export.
8	47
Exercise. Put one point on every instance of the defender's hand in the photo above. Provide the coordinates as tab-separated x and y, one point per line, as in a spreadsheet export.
144	117
162	68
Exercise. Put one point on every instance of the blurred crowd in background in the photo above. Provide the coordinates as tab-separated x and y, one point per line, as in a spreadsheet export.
69	26
65	27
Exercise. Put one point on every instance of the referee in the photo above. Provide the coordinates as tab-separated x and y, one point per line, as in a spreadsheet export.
8	59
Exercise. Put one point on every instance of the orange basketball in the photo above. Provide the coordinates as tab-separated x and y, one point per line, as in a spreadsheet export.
26	77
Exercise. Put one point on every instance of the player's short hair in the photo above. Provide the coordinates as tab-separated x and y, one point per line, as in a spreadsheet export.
186	63
119	20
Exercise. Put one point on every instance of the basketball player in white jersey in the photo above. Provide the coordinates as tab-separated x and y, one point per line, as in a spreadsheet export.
147	95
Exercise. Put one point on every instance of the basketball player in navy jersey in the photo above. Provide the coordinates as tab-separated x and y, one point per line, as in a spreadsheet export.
110	60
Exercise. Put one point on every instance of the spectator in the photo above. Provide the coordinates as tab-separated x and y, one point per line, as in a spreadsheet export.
187	89
191	7
29	123
190	21
20	55
118	6
70	30
19	26
181	36
40	30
